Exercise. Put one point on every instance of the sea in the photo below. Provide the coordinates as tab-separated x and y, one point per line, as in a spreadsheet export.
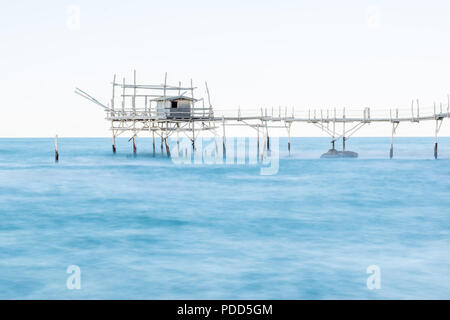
98	225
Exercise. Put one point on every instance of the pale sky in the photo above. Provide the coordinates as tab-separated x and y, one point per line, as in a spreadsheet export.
307	54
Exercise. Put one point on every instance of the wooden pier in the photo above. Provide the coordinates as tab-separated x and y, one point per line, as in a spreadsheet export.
164	110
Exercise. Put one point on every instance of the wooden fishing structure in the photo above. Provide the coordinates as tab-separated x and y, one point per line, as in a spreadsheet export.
163	110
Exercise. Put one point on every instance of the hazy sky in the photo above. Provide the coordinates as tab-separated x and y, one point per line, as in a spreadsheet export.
307	54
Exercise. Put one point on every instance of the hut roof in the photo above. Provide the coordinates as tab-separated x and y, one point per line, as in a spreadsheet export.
171	98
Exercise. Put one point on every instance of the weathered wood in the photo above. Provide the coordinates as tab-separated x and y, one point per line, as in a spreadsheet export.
56	149
167	147
154	146
224	139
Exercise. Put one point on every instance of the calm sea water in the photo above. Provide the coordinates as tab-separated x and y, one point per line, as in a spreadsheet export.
143	227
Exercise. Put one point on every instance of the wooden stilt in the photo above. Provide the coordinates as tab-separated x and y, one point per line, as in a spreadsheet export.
334	130
394	129
162	144
134	144
178	139
154	147
193	136
435	150
56	149
343	131
257	141
114	143
113	134
167	147
436	139
264	147
289	138
224	139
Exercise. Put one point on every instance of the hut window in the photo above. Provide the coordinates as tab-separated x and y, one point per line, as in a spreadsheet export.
173	104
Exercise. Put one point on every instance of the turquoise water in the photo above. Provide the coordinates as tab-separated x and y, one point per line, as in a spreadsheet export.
143	227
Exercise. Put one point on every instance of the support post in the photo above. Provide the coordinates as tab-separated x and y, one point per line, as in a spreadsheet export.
56	149
154	147
394	129
113	137
289	138
334	130
268	139
162	143
134	144
224	139
264	146
438	127
167	147
193	135
114	143
257	141
343	130
435	150
178	137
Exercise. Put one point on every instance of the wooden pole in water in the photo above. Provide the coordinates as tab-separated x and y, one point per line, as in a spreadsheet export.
268	139
193	135
113	143
162	143
264	147
343	130
167	147
289	138
112	114
154	147
178	137
394	129
435	139
224	139
113	137
134	144
435	133
56	149
257	141
334	129
391	151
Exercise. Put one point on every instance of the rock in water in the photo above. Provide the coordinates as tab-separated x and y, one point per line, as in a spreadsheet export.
333	153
